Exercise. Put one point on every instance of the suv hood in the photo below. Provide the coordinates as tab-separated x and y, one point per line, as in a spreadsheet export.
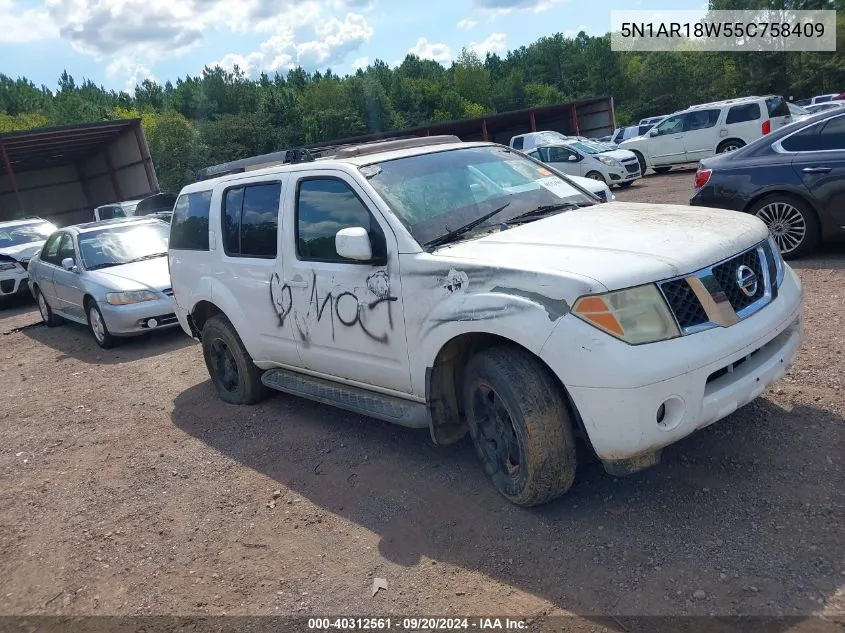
153	274
618	244
23	251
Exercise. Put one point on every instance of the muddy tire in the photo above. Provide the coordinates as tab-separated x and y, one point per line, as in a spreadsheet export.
520	425
234	375
50	319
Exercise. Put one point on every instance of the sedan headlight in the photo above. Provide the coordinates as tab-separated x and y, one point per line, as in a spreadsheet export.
634	315
8	266
134	296
773	246
610	162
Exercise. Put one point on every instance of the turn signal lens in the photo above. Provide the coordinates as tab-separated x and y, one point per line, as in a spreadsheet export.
635	315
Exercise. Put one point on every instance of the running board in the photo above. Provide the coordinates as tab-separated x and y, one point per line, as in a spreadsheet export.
355	399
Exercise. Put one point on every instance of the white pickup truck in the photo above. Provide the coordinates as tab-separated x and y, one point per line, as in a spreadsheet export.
466	288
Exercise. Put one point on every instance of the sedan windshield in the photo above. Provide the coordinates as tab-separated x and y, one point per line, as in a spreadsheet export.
20	234
588	147
436	194
118	245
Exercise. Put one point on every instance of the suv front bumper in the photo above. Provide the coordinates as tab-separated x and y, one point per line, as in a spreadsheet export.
14	282
635	400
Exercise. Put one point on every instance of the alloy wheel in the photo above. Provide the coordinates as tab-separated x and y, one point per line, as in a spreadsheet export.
786	224
97	325
42	307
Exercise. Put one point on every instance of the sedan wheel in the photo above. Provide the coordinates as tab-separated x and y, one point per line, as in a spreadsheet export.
98	327
791	223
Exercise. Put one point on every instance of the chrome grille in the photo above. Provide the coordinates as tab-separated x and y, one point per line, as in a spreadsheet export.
712	297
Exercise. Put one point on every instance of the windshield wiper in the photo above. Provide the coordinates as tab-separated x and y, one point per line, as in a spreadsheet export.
103	265
466	228
543	210
145	257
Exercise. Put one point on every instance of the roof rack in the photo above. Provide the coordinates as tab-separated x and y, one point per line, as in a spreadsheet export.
386	146
287	156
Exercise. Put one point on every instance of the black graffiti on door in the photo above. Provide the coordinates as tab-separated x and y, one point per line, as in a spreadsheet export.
346	306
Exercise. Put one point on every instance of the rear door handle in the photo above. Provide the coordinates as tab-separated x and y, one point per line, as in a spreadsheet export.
297	282
816	170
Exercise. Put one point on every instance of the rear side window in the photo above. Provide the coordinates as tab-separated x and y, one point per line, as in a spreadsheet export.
251	220
519	142
832	136
743	113
777	107
189	225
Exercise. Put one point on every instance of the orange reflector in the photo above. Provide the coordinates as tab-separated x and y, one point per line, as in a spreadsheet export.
595	310
591	304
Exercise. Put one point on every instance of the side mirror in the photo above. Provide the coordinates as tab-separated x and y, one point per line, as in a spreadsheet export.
652	131
354	243
68	264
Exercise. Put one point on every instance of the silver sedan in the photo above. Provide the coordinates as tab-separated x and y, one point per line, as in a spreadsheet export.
111	276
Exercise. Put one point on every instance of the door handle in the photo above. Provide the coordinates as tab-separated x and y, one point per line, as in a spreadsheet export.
816	170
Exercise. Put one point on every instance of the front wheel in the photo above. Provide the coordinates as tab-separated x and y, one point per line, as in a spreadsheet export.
625	185
594	175
662	170
98	326
791	222
235	376
520	425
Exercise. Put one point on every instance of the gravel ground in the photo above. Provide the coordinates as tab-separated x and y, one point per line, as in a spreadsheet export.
128	488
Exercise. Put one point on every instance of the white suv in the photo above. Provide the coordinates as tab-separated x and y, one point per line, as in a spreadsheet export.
707	129
381	281
20	240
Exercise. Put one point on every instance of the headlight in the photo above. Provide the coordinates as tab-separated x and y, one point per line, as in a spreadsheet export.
778	260
8	266
135	296
634	315
610	162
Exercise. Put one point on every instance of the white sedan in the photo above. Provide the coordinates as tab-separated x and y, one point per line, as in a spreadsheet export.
591	160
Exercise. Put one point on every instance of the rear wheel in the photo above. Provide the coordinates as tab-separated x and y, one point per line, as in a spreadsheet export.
50	319
792	223
729	145
235	376
520	425
662	170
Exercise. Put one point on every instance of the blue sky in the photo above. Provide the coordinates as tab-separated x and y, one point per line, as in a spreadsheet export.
117	43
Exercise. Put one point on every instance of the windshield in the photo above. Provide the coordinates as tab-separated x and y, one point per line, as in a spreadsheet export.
117	245
20	234
434	194
590	147
797	110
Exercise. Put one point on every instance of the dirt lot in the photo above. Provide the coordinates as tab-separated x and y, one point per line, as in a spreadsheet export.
127	487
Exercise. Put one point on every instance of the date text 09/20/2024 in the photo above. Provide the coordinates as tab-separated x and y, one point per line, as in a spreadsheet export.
415	624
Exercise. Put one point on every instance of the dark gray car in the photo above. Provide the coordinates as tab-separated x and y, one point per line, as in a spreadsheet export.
111	276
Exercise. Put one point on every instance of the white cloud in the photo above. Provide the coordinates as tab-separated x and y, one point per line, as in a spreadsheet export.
503	7
495	43
127	67
466	23
361	62
24	25
429	50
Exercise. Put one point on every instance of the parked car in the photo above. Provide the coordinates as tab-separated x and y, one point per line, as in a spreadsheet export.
624	133
825	98
590	160
19	241
707	129
111	276
604	139
159	206
114	210
377	281
646	124
527	142
793	180
821	107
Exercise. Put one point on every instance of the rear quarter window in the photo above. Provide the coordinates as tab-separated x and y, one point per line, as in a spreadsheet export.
743	113
777	107
189	225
